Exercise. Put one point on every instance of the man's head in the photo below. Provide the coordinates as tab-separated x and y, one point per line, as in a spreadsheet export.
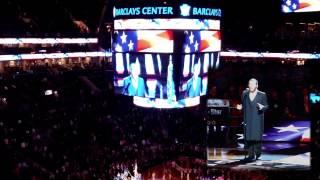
253	85
134	69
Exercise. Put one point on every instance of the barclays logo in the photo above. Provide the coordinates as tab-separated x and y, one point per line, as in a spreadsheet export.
185	10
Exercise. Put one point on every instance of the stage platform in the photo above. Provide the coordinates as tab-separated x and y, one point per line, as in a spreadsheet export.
278	161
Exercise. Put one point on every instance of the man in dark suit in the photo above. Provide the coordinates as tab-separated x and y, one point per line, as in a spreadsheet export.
133	85
254	104
194	83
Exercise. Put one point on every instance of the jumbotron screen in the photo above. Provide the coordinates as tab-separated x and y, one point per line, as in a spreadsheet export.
292	6
162	53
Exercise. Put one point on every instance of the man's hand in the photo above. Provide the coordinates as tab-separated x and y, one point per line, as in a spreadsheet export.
260	106
239	106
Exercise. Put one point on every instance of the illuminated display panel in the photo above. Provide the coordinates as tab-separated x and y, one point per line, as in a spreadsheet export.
314	98
166	103
172	10
202	41
292	6
159	48
178	24
160	41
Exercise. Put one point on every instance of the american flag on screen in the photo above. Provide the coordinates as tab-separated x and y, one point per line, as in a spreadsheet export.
300	5
159	24
158	41
202	41
291	131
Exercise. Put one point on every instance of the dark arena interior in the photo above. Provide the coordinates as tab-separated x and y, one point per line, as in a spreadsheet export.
163	89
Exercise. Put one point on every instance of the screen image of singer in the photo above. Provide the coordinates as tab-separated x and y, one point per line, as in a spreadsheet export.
144	75
194	77
147	41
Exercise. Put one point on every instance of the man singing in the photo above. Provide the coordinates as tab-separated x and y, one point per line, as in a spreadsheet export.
134	85
254	104
194	83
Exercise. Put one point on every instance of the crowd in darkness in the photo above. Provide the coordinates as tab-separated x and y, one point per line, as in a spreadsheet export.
284	37
83	130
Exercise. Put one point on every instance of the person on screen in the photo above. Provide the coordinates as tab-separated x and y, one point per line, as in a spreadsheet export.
254	104
194	83
134	85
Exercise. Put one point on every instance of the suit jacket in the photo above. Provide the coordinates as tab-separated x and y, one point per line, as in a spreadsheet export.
129	89
253	117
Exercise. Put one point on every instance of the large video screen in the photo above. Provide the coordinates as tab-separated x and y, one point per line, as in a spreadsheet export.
291	6
202	41
154	41
144	75
158	24
194	77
